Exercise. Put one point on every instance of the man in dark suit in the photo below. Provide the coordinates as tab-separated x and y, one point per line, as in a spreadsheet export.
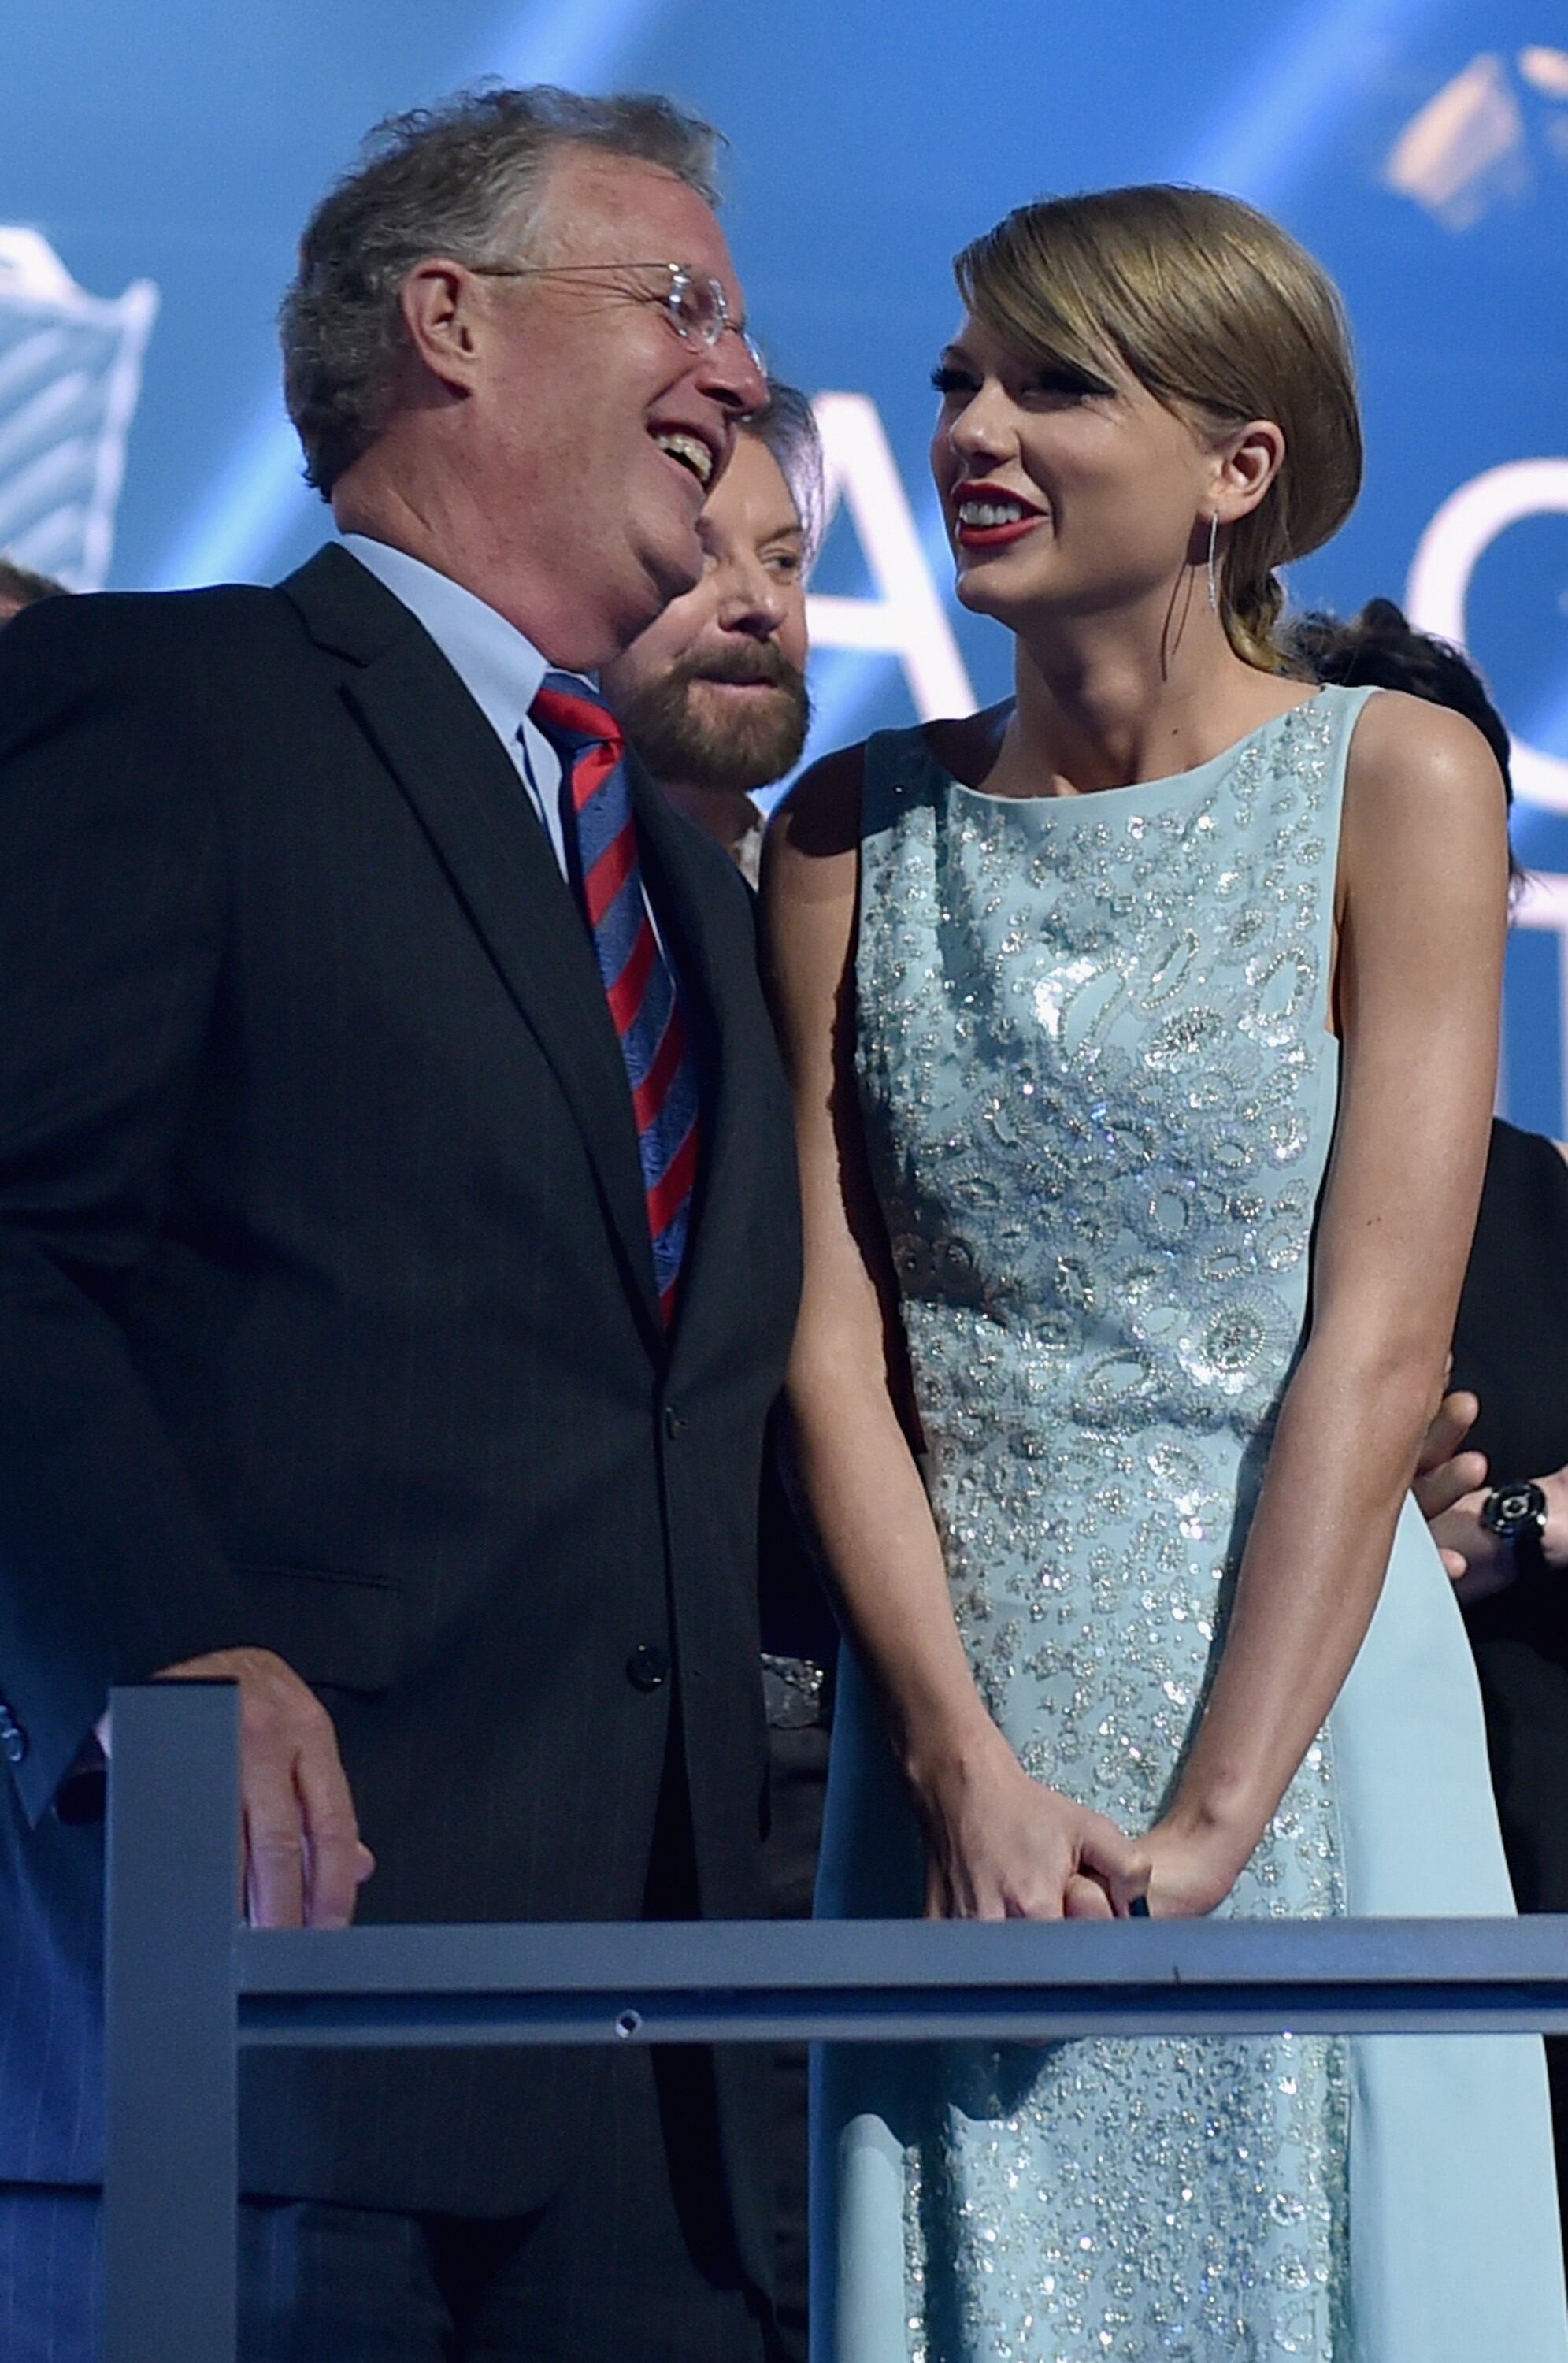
387	1108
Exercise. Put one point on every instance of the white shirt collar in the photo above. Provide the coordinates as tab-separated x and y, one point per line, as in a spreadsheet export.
500	669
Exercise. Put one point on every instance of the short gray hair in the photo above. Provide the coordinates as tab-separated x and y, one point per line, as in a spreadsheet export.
464	178
789	429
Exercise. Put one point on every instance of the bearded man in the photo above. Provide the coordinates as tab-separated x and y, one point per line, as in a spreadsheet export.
712	695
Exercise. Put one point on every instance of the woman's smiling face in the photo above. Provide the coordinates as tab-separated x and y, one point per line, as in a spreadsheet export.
1063	492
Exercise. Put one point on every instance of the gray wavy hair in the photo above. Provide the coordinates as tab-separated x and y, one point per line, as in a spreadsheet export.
789	429
466	179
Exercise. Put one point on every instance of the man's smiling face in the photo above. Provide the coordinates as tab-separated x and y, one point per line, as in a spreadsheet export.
594	424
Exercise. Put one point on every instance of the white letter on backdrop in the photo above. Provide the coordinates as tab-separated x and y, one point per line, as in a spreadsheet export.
1468	523
907	618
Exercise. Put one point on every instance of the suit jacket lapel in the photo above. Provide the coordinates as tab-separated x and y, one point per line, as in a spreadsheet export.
445	758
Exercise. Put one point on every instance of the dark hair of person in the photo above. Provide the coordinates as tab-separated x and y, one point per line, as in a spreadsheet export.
1381	648
20	587
465	179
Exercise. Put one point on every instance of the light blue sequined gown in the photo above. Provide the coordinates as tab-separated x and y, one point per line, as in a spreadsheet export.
1099	1088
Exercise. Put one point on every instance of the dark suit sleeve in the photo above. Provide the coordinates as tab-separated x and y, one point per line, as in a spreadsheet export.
110	923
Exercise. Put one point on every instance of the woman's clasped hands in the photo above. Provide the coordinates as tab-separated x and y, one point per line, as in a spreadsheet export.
1002	1845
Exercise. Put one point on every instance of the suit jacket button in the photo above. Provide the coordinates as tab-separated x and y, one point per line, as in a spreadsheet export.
15	1743
647	1669
8	1722
673	1422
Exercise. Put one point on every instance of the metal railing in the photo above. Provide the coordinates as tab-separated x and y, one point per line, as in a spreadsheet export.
187	1988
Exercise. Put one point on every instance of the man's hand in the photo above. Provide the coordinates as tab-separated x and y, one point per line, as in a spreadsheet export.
304	1861
1445	1476
1449	1487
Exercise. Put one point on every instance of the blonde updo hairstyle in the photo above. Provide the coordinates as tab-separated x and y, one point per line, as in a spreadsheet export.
1223	318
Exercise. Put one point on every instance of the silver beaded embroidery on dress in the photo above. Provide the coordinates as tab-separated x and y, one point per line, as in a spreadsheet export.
1098	1089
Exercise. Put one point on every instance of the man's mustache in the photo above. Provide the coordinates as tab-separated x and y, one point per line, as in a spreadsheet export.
753	661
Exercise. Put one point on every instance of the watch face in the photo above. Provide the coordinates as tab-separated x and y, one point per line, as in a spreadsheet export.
1511	1510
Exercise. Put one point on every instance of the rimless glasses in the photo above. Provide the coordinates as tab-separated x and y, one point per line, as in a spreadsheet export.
695	304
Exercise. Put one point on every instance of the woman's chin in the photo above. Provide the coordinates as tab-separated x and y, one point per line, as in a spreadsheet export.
982	587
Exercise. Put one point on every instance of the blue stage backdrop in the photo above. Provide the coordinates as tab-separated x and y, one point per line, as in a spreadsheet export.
156	162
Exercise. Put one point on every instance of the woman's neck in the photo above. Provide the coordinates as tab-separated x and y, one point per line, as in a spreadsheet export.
1103	708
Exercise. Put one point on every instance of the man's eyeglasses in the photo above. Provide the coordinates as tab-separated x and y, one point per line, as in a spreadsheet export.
697	307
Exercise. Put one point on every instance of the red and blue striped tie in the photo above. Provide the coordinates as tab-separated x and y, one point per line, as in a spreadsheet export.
637	982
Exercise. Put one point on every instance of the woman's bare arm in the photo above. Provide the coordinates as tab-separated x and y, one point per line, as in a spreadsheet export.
1424	902
998	1843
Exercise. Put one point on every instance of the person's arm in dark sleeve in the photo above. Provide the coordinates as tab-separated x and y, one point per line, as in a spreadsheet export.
111	921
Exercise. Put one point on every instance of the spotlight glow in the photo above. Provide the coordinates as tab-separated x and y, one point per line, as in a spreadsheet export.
1304	81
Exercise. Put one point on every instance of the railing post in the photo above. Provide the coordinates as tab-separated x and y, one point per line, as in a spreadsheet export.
169	2024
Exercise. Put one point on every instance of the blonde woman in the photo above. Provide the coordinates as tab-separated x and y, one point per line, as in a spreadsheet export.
1111	1014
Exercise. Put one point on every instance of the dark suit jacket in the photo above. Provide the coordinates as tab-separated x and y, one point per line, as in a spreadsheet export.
327	1324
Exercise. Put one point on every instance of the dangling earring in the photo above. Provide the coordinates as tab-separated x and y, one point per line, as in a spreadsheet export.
1213	563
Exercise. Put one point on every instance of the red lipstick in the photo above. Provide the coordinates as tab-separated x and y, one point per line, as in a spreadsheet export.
1023	520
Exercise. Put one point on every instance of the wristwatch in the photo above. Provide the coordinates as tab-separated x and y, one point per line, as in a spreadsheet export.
1516	1513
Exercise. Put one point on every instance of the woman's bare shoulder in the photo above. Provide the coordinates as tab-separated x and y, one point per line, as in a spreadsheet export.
966	745
820	820
820	816
1404	742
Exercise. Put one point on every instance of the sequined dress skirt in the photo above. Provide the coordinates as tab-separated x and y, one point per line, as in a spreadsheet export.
1210	2201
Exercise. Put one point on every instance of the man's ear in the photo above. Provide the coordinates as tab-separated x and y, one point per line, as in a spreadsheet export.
1248	461
440	308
